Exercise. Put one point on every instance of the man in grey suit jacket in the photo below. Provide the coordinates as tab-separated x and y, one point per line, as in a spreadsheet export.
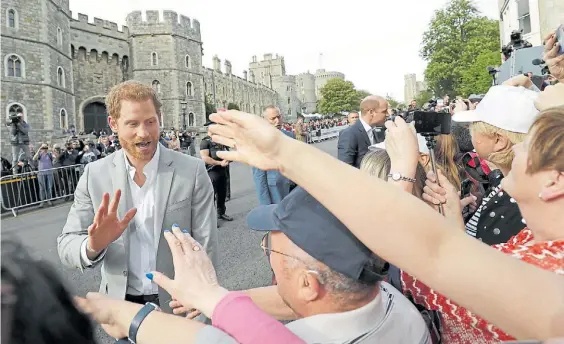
160	188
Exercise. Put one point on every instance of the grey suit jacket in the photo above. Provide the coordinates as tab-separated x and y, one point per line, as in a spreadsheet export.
184	196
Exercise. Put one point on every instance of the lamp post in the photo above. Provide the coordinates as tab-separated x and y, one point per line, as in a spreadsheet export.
183	105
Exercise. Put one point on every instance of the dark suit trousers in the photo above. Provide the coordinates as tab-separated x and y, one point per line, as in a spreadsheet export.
218	178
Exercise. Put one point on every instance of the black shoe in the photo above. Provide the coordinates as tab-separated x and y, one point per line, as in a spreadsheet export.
224	217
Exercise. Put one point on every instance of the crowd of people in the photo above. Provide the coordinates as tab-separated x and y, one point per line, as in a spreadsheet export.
392	252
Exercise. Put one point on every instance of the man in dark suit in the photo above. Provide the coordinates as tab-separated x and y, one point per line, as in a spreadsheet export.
368	130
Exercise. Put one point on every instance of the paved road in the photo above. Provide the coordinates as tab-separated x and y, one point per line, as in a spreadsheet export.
243	264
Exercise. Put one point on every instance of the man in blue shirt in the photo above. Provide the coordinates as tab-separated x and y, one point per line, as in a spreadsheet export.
272	186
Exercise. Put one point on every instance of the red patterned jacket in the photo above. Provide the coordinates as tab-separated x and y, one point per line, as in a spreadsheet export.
460	325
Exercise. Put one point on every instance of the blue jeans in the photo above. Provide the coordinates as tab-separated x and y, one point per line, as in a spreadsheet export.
45	186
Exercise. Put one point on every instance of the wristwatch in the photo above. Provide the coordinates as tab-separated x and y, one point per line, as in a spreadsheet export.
138	319
396	177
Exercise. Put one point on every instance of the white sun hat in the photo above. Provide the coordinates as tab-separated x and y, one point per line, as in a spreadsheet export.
506	107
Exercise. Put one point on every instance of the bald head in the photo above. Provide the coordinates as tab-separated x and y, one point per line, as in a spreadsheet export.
272	114
374	110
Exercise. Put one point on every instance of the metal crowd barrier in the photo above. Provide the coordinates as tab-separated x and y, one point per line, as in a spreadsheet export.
33	188
327	134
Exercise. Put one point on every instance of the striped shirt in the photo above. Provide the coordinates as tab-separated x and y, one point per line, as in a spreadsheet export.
472	224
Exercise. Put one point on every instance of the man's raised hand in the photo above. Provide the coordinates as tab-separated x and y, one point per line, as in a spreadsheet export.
106	227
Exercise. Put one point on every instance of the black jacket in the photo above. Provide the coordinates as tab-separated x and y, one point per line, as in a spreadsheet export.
354	142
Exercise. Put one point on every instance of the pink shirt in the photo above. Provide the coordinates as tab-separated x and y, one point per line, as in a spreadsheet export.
238	316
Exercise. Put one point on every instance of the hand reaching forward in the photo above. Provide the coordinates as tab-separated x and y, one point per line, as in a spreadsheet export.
446	194
554	62
113	315
401	144
107	227
195	282
255	141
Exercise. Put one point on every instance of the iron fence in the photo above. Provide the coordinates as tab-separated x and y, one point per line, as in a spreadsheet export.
37	187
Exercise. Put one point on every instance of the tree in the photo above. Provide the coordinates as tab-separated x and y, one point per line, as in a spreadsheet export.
362	94
210	108
455	38
423	98
392	102
476	79
337	96
233	106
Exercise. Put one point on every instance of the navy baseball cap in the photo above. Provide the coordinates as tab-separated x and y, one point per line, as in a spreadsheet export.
310	226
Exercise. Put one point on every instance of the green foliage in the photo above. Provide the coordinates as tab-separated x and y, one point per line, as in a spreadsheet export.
455	38
210	108
423	97
362	94
392	102
338	95
233	106
475	79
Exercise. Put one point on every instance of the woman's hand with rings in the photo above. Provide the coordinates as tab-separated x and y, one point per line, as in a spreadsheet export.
195	283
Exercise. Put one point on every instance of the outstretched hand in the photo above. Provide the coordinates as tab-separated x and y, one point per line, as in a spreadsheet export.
107	227
254	141
554	62
195	282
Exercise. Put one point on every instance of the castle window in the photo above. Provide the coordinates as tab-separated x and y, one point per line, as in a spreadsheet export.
156	86
59	37
191	119
14	66
14	109
63	119
154	59
60	77
12	18
288	100
188	62
189	89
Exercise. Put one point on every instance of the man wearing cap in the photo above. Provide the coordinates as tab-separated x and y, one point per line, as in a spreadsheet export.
328	280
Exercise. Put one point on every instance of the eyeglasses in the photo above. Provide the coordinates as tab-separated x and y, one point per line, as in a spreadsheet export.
266	247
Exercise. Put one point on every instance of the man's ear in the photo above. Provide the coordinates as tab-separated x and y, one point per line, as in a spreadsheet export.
113	124
309	287
553	189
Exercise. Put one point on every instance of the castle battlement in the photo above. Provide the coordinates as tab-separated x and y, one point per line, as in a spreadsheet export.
170	23
100	26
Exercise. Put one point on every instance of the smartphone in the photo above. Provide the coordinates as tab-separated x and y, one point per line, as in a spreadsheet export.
560	38
465	188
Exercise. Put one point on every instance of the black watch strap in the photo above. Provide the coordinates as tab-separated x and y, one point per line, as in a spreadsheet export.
138	319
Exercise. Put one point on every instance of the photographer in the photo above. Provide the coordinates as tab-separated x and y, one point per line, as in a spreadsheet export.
19	138
217	170
44	160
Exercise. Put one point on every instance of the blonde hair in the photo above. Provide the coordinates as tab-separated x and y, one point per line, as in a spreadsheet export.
377	163
504	157
130	90
546	147
445	152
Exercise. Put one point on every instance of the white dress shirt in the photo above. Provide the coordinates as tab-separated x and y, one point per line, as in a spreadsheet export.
142	254
369	130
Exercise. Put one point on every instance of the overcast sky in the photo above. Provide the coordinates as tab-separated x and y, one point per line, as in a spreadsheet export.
373	42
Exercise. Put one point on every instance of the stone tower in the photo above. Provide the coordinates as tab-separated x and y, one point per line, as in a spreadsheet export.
37	64
167	53
305	83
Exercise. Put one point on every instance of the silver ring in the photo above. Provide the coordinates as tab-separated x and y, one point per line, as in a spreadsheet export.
195	248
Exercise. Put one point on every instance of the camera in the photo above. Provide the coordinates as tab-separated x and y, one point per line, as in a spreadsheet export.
430	123
13	119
